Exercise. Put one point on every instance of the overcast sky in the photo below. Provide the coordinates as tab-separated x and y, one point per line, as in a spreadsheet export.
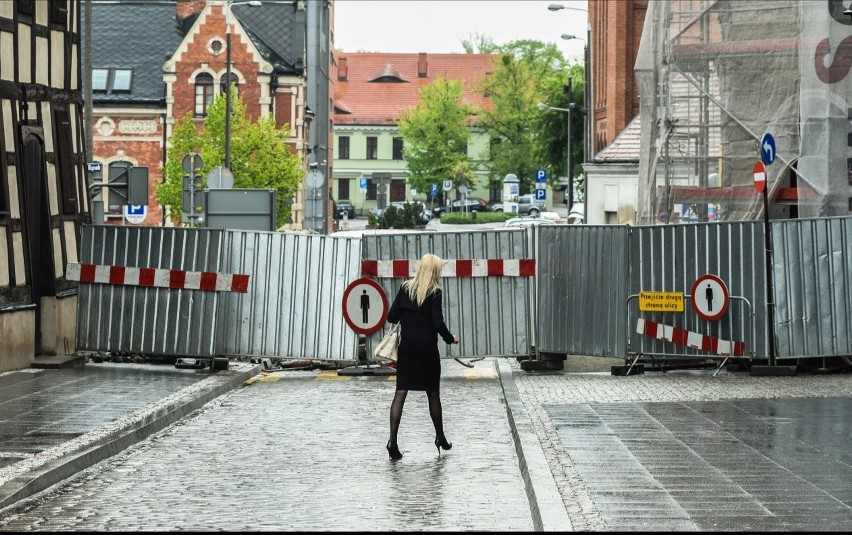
441	25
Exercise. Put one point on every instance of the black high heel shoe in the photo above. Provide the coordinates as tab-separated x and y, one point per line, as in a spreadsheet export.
393	451
441	442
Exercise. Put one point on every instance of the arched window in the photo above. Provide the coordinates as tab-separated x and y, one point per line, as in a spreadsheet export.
203	93
235	84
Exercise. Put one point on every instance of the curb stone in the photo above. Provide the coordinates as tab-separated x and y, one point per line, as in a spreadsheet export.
548	511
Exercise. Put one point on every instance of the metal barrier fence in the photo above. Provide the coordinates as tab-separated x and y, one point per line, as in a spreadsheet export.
148	320
293	308
590	276
672	257
582	280
580	298
492	315
812	279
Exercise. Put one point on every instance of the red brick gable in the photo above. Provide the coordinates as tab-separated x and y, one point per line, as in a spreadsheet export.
195	53
402	76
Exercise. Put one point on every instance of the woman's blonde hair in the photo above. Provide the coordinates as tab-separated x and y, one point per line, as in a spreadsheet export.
425	281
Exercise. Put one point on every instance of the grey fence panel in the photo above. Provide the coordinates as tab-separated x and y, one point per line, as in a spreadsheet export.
670	258
582	289
811	278
293	308
491	315
146	320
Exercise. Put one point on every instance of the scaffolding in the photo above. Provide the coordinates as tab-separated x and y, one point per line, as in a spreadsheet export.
715	76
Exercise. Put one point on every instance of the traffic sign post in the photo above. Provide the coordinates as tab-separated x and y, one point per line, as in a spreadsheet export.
194	206
710	297
365	309
767	156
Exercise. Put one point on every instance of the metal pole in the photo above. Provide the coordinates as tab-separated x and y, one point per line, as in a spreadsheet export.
770	305
228	86
570	172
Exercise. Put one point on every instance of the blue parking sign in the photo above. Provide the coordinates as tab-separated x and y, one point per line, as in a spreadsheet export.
363	183
541	176
434	189
540	194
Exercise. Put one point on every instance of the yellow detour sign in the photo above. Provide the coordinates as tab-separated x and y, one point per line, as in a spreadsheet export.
661	301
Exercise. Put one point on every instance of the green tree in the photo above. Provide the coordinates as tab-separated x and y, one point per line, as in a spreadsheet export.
435	136
260	155
552	139
525	72
479	44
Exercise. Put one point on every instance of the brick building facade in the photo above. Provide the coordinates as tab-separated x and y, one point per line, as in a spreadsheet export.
178	65
616	32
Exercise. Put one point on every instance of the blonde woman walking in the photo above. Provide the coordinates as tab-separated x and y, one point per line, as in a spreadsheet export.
418	305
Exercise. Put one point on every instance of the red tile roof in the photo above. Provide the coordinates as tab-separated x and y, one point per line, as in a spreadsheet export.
396	82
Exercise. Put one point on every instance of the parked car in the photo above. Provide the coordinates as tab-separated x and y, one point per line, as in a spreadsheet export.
344	207
577	215
527	205
517	222
471	204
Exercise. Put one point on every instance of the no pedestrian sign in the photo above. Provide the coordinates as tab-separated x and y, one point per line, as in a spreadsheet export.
365	306
710	297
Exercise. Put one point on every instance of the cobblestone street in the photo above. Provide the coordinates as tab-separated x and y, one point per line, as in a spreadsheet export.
305	451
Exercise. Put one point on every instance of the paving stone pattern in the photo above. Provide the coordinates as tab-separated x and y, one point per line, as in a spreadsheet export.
692	452
305	455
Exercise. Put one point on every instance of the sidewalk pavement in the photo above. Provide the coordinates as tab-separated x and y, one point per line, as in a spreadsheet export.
681	450
55	423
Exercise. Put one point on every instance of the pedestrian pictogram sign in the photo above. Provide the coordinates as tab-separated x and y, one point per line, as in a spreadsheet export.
710	297
365	306
759	176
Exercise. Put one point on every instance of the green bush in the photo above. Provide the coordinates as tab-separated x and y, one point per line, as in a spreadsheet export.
456	218
406	217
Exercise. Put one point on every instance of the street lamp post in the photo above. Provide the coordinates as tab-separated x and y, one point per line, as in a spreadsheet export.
586	94
542	106
588	117
228	7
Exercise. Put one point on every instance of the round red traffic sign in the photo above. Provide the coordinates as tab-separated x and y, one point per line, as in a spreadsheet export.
709	297
759	176
365	306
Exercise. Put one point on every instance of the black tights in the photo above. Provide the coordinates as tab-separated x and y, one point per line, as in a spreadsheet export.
435	412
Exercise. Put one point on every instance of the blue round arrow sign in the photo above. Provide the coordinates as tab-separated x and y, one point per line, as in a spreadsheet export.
767	148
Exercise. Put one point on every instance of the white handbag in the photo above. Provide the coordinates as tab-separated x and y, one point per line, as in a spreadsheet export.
388	345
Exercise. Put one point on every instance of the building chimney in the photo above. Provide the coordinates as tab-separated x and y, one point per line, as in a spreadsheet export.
422	70
185	8
342	69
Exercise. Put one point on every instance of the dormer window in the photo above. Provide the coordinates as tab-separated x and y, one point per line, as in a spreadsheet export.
99	79
112	80
121	79
389	74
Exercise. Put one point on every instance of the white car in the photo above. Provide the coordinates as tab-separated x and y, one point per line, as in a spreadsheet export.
577	215
522	222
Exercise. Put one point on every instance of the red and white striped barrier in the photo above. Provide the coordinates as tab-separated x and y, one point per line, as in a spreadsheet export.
176	279
392	269
679	336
